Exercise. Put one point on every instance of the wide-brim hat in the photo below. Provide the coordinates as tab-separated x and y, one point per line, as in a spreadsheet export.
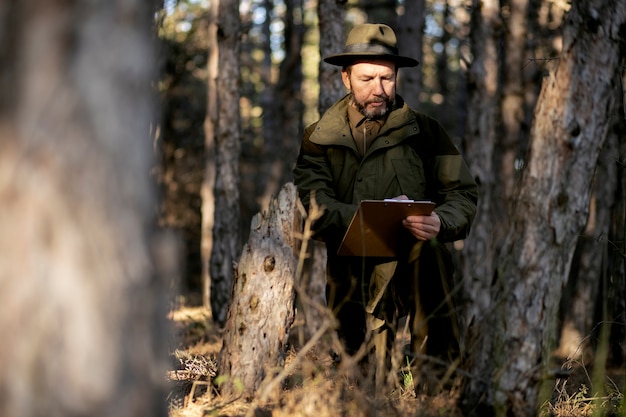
371	41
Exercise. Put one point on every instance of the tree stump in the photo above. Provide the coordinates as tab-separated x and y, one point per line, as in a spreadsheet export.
262	311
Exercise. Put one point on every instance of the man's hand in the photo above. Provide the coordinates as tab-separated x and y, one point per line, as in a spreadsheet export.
423	227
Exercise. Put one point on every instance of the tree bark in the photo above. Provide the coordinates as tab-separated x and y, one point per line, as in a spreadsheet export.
226	236
479	250
262	308
571	122
579	301
616	262
82	273
283	109
410	38
207	190
513	84
331	16
617	239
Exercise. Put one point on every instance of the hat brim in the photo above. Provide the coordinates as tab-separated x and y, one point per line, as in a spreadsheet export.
347	59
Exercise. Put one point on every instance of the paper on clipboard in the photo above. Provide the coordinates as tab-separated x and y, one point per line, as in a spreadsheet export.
376	227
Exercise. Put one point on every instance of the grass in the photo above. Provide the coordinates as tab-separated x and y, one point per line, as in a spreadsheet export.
315	385
579	394
312	385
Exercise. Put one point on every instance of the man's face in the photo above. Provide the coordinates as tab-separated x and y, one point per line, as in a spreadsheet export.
373	86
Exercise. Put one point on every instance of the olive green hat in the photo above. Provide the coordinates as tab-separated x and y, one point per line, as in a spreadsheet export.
371	41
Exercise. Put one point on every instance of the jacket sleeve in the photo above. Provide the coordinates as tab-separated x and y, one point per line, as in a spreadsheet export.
313	178
452	186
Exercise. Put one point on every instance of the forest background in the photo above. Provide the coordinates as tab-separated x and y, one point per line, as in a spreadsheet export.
483	67
270	129
102	101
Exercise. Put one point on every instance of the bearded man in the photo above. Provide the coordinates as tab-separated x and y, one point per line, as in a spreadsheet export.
371	146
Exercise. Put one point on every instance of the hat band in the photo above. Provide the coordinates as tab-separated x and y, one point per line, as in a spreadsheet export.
370	48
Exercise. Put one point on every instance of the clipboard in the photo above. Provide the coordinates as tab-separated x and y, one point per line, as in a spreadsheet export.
376	227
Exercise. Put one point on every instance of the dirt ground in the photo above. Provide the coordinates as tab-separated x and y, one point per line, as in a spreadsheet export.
320	388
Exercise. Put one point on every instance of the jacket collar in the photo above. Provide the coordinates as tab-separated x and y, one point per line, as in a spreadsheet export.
333	127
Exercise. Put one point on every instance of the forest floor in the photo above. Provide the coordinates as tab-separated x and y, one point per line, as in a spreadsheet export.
320	388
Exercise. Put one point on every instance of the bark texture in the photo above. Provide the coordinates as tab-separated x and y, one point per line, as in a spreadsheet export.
512	103
478	254
591	259
282	109
227	142
571	122
262	308
83	313
208	182
331	20
410	33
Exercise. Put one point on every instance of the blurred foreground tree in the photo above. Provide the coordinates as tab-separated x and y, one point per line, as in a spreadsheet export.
81	269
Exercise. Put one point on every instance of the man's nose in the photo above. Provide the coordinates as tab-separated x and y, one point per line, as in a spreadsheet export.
378	87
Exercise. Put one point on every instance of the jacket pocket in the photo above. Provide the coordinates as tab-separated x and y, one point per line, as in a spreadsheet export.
411	178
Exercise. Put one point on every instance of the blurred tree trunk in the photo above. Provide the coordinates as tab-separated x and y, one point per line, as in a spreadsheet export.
572	118
379	11
262	309
223	136
331	28
410	38
515	50
441	64
283	109
313	280
616	262
331	20
271	114
589	264
208	183
289	92
82	270
478	255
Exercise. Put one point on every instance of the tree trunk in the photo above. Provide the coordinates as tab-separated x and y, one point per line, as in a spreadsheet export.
289	92
410	38
283	109
513	82
262	308
478	255
616	262
571	122
207	190
226	238
331	15
83	312
442	59
578	304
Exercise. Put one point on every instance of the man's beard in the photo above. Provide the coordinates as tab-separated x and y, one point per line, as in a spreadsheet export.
377	113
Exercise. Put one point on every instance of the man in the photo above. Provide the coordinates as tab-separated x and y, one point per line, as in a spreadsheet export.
371	145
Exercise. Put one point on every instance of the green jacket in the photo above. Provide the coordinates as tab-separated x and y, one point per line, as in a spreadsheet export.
412	155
